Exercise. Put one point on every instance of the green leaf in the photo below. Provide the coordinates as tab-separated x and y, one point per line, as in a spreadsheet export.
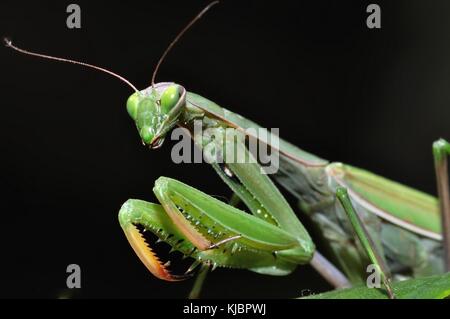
434	287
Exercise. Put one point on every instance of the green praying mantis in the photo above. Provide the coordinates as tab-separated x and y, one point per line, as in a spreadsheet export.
363	218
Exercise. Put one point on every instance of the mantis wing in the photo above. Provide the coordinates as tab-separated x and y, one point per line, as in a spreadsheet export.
401	205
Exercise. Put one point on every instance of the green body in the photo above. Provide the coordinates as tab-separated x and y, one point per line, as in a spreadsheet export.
404	222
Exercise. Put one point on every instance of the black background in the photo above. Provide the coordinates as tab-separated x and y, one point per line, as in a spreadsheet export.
71	155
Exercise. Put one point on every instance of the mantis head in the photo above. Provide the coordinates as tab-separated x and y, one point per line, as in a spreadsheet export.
156	110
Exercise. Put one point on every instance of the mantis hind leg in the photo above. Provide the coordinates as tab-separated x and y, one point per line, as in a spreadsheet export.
441	150
199	281
365	239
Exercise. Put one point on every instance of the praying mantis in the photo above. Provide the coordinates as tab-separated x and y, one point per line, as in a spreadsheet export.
363	217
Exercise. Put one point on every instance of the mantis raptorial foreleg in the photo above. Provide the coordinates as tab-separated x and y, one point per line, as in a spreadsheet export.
153	217
441	150
261	196
365	239
256	244
204	268
256	189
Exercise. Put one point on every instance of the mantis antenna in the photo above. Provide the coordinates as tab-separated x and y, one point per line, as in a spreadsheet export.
9	44
182	32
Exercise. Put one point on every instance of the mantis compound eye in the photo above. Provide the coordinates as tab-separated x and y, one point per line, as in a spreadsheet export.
170	98
132	105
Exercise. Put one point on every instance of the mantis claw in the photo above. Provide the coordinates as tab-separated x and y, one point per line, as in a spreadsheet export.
193	266
149	258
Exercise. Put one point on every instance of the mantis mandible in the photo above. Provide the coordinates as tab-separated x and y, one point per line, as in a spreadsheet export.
364	218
